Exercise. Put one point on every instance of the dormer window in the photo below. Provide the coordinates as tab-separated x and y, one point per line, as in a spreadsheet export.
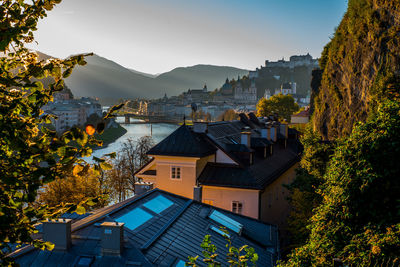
175	172
237	207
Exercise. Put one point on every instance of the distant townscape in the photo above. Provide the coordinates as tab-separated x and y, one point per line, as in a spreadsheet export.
290	164
71	112
240	94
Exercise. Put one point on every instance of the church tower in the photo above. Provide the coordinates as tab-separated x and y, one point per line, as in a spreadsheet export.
205	88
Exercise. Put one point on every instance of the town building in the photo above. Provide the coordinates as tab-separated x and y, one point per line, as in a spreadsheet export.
245	95
294	61
239	166
302	117
267	94
156	228
71	112
196	95
227	88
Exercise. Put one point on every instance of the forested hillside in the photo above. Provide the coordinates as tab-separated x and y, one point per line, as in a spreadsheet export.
360	66
345	197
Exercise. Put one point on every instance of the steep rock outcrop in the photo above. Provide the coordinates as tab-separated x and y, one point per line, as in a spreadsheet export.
360	66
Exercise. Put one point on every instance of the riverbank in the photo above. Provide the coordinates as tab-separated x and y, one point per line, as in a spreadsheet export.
110	135
135	131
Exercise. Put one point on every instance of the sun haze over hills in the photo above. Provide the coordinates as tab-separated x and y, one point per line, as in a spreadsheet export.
110	81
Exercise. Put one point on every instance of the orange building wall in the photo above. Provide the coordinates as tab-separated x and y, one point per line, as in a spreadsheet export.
183	186
222	197
201	163
274	204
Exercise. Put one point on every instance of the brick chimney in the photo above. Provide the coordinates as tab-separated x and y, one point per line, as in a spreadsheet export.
58	232
112	238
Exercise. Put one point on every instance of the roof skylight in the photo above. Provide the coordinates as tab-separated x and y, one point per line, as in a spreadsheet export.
158	204
219	231
226	221
134	218
180	263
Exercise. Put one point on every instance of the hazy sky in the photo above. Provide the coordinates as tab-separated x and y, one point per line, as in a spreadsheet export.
155	36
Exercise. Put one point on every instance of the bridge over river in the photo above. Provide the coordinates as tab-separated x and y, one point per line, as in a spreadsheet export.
145	119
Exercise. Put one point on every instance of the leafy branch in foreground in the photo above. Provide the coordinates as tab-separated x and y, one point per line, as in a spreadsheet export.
32	155
234	257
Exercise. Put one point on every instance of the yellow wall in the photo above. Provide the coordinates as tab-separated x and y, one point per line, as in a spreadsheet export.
222	197
201	163
183	186
190	170
274	204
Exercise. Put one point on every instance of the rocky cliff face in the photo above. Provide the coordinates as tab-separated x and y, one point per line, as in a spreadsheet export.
360	67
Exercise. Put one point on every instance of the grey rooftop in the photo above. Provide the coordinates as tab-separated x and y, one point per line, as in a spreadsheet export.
160	229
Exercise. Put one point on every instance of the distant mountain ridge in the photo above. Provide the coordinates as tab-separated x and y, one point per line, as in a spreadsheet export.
109	81
144	73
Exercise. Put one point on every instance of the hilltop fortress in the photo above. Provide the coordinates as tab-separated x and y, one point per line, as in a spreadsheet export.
294	61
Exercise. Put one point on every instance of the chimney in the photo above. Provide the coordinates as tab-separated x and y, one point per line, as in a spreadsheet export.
112	238
275	136
273	133
200	127
58	232
264	133
284	130
245	138
142	187
197	193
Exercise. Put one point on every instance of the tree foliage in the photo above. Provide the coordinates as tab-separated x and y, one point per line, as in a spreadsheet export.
74	188
303	190
228	115
235	256
31	155
283	105
200	115
121	177
358	220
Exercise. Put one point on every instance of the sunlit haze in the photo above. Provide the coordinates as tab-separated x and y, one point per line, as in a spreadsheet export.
156	36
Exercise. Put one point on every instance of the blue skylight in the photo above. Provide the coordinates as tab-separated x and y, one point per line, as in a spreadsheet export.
233	140
158	204
180	263
135	218
226	221
219	231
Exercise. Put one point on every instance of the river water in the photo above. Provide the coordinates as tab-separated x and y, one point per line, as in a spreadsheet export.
135	131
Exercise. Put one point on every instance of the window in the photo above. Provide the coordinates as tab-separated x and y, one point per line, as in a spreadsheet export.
180	263
219	231
237	207
226	221
175	172
85	261
158	204
134	218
